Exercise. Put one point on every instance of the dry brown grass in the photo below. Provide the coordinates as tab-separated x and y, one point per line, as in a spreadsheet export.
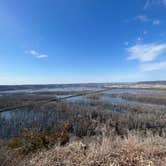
131	151
138	86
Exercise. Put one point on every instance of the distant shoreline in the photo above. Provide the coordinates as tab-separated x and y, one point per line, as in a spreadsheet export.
138	86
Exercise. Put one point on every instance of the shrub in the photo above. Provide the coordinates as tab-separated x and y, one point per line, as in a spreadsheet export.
31	141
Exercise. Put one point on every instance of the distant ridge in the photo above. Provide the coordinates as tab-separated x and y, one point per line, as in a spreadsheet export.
153	82
49	86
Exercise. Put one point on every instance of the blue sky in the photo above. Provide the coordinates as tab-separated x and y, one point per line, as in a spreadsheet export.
72	41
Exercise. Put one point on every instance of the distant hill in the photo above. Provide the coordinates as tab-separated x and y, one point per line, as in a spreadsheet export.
47	86
50	86
153	82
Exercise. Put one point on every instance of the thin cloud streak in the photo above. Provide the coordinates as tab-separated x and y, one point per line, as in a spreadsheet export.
37	54
33	52
145	18
150	3
146	52
156	22
42	56
142	18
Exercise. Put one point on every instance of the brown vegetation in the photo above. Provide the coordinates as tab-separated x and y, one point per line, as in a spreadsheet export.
129	151
90	133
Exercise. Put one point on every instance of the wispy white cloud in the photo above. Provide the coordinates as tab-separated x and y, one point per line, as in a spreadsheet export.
156	22
147	4
145	18
146	52
145	32
36	54
150	3
42	56
139	38
148	56
153	66
142	18
33	52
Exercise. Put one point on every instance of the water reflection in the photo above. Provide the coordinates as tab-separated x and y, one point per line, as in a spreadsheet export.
114	100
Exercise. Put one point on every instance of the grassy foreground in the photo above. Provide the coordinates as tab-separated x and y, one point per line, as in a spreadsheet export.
106	151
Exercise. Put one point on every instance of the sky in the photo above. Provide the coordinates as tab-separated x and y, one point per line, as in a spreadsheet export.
78	41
